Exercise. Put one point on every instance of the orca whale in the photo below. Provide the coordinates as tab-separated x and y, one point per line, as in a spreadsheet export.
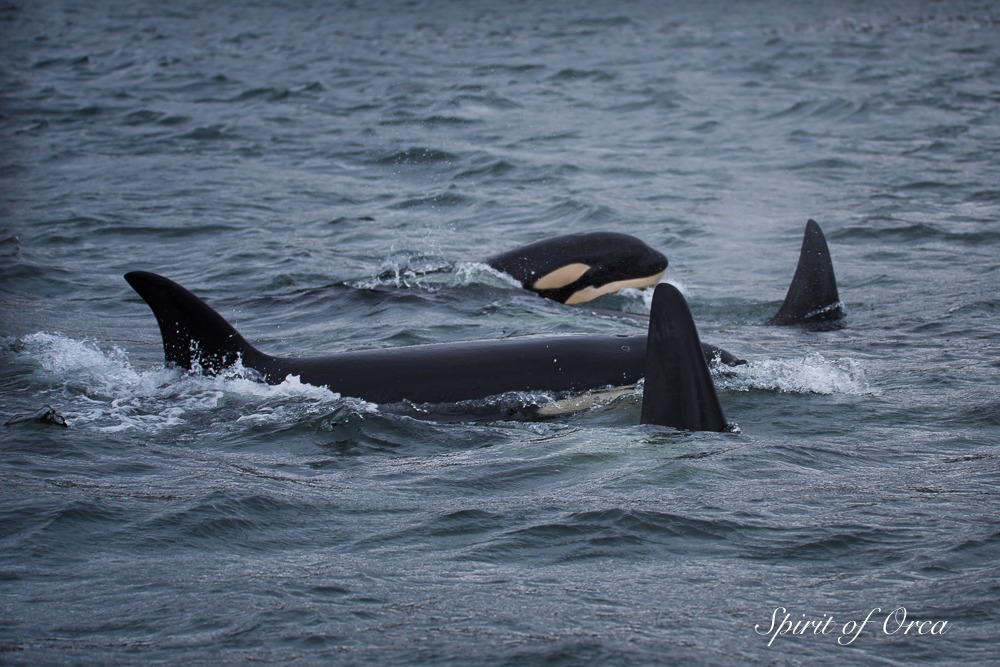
812	296
680	390
196	337
576	268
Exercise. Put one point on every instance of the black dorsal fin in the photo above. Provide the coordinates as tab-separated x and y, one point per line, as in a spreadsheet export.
194	335
678	390
812	296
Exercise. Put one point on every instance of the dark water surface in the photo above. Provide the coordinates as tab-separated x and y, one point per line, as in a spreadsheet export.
327	175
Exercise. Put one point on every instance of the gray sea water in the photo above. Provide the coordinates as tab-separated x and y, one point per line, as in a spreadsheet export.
328	175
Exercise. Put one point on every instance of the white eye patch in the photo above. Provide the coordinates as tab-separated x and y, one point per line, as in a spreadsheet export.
562	276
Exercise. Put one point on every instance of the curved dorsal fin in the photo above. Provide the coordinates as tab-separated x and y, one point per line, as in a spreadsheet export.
812	296
678	390
193	333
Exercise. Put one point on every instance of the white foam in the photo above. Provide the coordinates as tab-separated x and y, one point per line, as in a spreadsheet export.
645	296
103	391
407	273
79	362
812	374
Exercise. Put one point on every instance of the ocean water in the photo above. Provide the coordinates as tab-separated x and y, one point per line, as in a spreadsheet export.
328	176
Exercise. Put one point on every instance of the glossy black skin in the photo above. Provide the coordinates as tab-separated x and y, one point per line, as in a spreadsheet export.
452	372
678	392
681	393
612	257
684	393
812	298
195	336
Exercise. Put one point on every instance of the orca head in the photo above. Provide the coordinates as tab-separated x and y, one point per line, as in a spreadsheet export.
576	268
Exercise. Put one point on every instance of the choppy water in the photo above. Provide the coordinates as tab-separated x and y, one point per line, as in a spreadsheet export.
327	176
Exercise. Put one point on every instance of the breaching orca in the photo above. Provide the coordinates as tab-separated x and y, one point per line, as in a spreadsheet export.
196	337
812	296
576	268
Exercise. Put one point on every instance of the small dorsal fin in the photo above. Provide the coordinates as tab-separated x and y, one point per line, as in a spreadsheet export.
678	389
812	296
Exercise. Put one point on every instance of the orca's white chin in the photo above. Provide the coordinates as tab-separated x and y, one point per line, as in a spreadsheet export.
592	292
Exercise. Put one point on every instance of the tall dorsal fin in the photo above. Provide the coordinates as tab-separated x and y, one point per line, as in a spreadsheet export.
812	296
193	333
678	389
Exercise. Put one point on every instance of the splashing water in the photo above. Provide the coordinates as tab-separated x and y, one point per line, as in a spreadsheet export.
812	374
430	275
103	391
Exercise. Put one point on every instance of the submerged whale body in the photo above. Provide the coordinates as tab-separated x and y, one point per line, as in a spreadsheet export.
196	337
576	268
